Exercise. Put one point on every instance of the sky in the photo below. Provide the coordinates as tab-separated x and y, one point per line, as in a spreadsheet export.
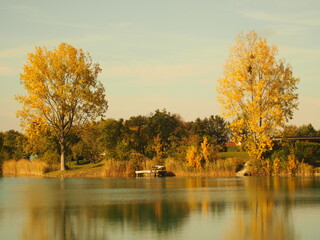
160	54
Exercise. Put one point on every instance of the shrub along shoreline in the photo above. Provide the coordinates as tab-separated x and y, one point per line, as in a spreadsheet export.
117	168
111	168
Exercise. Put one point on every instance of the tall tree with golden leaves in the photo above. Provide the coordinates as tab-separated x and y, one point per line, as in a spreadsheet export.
62	91
257	92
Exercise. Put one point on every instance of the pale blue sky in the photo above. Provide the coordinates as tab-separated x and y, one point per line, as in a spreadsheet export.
160	54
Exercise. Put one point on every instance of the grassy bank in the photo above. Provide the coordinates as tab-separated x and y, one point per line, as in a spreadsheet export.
84	169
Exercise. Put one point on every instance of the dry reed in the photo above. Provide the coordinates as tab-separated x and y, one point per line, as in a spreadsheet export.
24	167
219	168
114	168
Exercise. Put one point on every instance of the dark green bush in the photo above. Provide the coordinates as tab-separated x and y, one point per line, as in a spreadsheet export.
307	151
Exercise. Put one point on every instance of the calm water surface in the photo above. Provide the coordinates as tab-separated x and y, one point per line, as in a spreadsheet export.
160	208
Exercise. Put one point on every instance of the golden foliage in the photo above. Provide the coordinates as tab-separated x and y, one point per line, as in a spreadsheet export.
193	157
62	91
208	153
292	164
257	92
276	166
205	154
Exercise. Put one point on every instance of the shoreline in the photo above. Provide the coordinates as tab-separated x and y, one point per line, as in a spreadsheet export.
97	172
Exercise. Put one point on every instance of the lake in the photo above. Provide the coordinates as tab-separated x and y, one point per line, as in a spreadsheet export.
160	208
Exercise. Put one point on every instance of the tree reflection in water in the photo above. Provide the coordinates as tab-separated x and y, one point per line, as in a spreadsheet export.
59	211
265	214
259	208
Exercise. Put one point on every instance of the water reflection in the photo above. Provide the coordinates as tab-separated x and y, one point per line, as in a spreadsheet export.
172	208
260	216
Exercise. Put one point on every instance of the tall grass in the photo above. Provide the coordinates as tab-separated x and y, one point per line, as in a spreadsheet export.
219	168
277	167
176	167
223	167
120	168
114	168
304	169
24	167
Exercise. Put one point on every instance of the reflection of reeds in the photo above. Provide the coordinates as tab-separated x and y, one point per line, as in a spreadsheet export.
24	167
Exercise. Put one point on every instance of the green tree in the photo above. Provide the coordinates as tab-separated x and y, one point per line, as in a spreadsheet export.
111	134
13	143
257	92
137	133
44	145
62	91
167	127
89	146
306	131
289	131
215	128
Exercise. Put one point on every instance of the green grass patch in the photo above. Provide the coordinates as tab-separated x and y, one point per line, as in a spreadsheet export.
83	169
84	164
237	155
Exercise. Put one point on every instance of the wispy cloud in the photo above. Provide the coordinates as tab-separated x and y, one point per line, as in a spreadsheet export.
69	25
27	12
7	71
302	51
306	113
306	19
188	107
120	24
8	113
160	74
13	52
22	8
100	27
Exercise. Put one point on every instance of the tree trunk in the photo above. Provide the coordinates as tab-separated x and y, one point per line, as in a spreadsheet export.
62	160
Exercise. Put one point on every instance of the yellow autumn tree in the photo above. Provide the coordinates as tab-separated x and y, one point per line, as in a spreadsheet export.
193	157
62	91
257	92
208	152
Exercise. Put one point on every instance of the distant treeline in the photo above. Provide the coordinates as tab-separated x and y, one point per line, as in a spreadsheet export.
157	136
160	134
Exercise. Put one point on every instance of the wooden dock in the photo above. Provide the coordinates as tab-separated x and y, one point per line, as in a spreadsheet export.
156	171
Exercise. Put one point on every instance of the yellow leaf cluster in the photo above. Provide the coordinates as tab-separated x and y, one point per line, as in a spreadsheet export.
257	92
208	153
193	158
204	154
62	91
